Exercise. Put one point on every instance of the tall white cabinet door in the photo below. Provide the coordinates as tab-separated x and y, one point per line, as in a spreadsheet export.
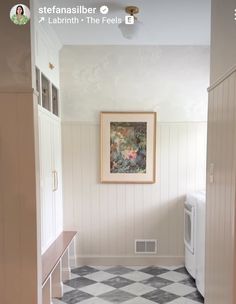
50	178
46	195
57	171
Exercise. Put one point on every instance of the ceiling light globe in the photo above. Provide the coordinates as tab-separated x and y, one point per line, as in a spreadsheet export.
130	31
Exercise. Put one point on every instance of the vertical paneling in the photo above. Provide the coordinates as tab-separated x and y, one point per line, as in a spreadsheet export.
110	217
220	236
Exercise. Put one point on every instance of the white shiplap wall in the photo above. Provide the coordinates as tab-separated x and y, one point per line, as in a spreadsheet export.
110	217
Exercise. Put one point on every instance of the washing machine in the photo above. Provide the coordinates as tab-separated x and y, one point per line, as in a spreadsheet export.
190	234
194	236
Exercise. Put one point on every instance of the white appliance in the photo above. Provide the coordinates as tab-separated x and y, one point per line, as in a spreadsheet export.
200	243
189	235
194	237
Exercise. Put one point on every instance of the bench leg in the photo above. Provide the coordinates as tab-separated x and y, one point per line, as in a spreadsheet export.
47	292
72	253
57	286
66	274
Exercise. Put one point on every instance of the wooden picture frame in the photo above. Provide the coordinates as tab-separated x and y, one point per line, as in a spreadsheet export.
128	147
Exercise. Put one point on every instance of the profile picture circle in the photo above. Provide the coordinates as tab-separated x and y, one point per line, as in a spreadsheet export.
20	14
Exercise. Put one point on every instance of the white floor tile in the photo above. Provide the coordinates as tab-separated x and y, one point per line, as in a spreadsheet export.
173	276
102	267
56	301
136	267
172	267
74	276
67	288
94	301
100	276
139	300
183	301
136	276
97	289
179	289
138	289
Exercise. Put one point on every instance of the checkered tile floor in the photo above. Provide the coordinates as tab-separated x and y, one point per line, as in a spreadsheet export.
130	285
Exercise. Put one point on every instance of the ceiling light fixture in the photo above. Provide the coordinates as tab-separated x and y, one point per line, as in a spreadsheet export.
130	30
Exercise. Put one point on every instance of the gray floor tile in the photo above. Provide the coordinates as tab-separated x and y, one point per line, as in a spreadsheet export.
117	296
160	296
157	282
189	281
79	282
119	270
182	270
75	296
154	270
118	282
84	270
195	296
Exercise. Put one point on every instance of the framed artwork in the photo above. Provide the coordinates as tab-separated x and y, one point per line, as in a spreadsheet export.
128	147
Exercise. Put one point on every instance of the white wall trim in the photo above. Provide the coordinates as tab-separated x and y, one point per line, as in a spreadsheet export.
134	260
79	123
48	113
222	78
94	123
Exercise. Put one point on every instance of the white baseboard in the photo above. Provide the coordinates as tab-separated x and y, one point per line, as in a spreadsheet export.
130	260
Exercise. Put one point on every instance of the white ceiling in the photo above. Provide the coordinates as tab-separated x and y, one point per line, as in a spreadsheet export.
165	22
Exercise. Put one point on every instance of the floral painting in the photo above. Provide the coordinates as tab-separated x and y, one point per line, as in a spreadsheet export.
128	145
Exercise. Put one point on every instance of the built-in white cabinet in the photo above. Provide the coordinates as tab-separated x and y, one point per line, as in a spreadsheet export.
50	177
47	47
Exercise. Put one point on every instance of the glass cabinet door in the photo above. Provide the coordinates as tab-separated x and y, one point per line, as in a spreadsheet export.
45	93
48	93
38	86
55	106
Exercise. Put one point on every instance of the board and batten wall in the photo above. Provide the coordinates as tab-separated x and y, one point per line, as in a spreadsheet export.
109	217
221	164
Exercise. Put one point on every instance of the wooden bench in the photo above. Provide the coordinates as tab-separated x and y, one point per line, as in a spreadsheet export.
56	264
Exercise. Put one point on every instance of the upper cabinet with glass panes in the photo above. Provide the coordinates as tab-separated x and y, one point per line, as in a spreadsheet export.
48	96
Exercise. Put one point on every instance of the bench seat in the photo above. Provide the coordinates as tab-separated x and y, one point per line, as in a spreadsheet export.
54	253
56	263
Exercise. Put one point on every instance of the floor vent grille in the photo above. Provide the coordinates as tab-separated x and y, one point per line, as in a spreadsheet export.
145	246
